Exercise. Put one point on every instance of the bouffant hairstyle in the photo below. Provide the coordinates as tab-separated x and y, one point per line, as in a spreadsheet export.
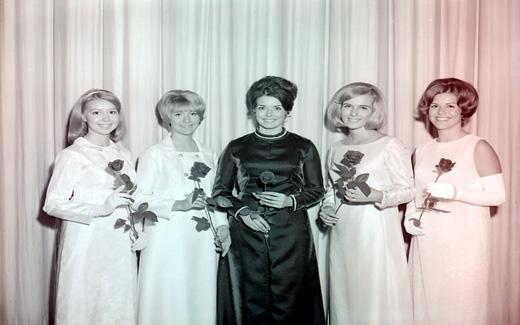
79	128
352	90
177	98
282	89
467	96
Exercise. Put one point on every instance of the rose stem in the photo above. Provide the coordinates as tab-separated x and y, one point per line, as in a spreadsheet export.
208	214
427	197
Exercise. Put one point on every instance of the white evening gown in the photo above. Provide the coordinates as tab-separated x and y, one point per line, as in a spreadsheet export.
97	271
178	268
449	265
368	279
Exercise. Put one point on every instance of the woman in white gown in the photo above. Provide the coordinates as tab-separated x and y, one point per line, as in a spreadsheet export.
97	272
450	252
178	266
370	174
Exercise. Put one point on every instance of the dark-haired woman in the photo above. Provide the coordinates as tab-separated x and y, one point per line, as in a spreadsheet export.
450	250
272	275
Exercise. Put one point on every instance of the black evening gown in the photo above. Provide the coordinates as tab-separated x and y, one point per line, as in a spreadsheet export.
270	279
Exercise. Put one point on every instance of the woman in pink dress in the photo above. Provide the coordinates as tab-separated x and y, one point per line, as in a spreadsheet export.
449	254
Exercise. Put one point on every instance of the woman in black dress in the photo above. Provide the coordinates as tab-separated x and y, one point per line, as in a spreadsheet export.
271	274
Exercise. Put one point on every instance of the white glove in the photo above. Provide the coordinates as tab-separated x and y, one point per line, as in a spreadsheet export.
442	190
410	227
114	200
139	243
493	192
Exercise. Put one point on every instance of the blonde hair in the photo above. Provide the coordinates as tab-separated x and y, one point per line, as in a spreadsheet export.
78	127
355	89
175	98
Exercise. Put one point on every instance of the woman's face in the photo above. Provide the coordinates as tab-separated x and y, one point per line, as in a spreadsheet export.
356	111
269	114
184	120
101	117
444	112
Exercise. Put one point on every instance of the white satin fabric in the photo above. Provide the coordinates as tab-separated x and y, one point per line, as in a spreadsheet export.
97	271
178	268
368	275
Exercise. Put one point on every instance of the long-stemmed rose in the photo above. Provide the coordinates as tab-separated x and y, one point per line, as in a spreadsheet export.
134	216
200	170
346	170
444	166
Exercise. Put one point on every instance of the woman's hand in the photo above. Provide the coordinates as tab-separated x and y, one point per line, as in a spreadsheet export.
139	243
274	199
114	200
255	221
223	239
187	204
328	215
355	195
410	227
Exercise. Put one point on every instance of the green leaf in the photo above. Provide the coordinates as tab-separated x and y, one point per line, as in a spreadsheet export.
138	216
352	185
365	189
362	178
223	202
149	215
211	201
127	227
142	207
119	223
202	223
342	169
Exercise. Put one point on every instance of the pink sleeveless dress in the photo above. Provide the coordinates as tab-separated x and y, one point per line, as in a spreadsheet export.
449	264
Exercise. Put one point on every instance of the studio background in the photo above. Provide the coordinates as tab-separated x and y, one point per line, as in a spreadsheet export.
51	51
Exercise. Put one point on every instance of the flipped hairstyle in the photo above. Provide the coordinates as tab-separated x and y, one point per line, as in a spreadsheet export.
352	90
467	96
176	98
77	127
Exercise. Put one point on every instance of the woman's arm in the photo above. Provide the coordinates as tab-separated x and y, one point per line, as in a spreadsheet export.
149	172
312	191
397	163
493	189
60	201
225	180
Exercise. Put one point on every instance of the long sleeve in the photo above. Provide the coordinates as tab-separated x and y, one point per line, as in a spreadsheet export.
60	201
398	164
312	191
329	189
225	180
149	176
219	217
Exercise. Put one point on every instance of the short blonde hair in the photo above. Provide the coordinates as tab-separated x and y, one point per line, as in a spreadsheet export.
355	89
77	127
175	98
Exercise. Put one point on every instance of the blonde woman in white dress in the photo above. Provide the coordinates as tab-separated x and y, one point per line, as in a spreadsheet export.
97	271
178	266
370	174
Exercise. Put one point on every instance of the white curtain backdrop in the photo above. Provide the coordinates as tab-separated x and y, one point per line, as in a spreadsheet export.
51	51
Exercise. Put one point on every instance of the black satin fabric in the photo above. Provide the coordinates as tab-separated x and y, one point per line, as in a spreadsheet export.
270	279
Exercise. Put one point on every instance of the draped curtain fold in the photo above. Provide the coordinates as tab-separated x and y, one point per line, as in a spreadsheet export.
51	51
